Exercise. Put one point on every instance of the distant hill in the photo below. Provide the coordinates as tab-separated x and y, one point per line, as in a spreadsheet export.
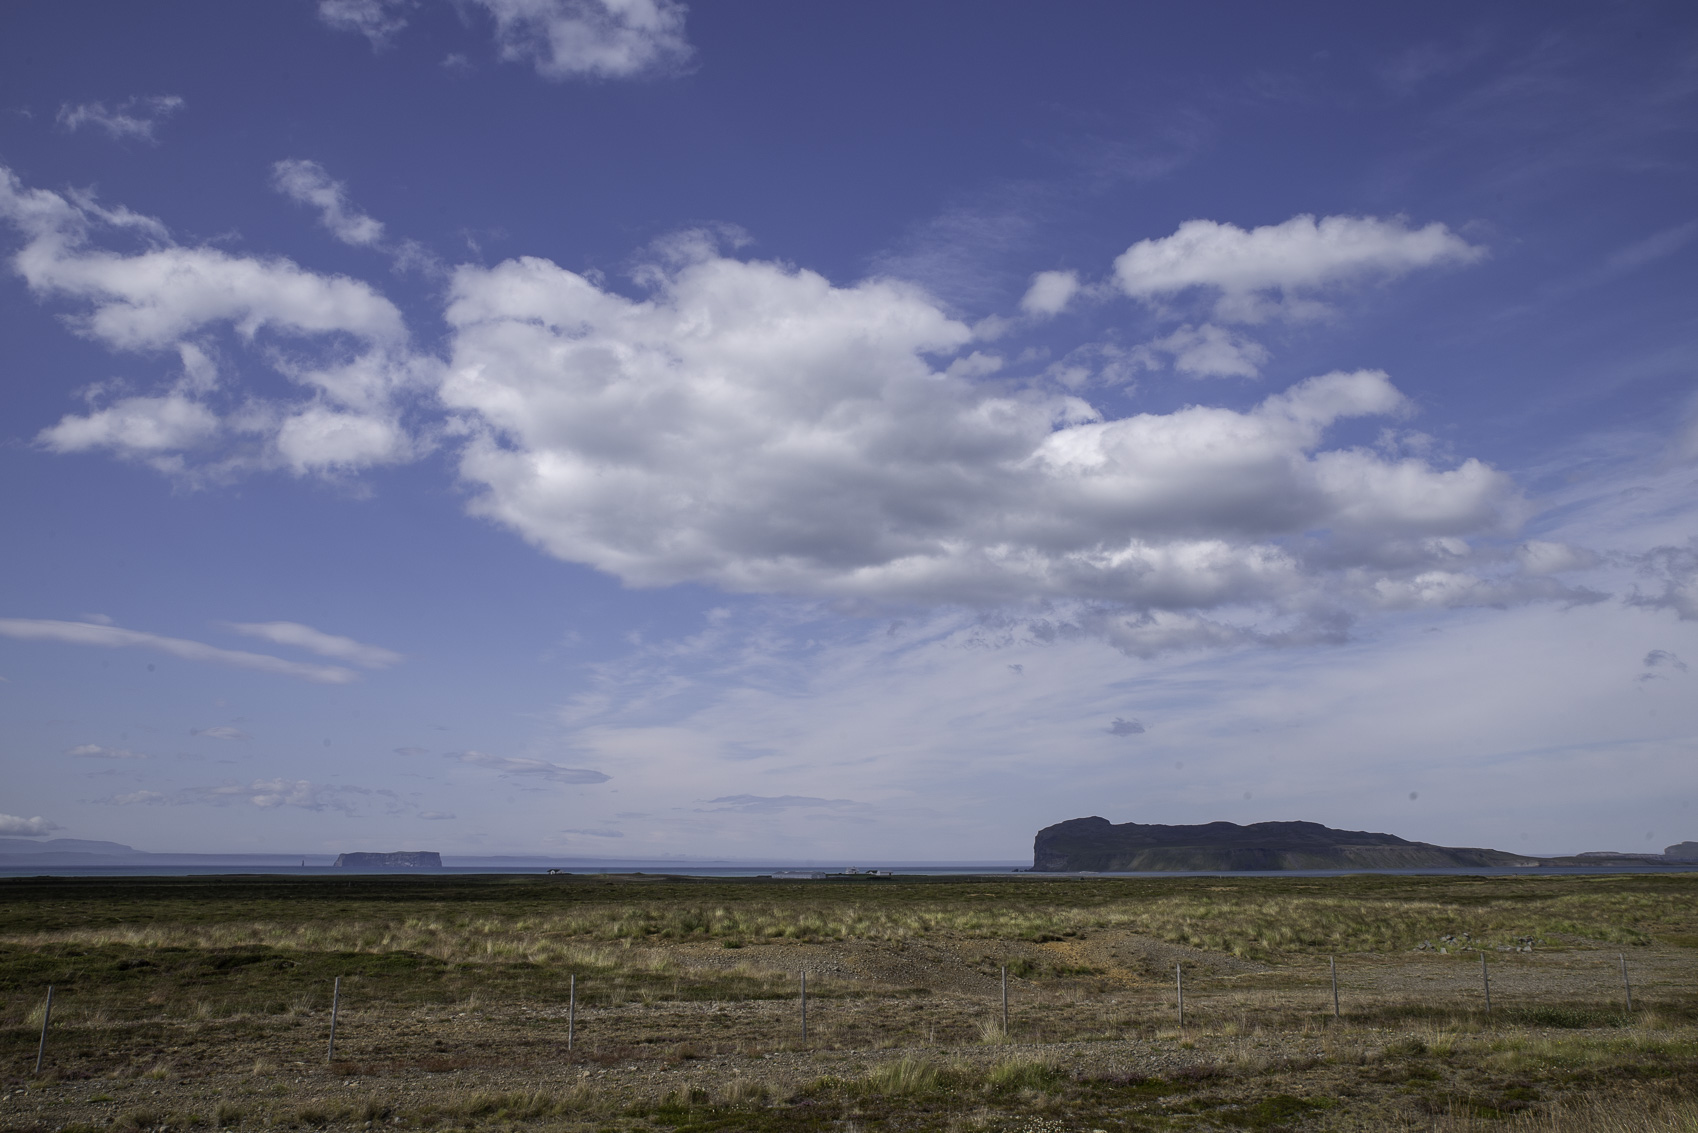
1096	844
63	846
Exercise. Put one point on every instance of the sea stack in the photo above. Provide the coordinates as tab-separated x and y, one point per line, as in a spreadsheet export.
400	859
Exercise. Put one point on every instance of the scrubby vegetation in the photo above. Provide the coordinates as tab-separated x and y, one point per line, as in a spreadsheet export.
526	919
202	1003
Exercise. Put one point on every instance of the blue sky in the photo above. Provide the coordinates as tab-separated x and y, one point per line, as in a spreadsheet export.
875	431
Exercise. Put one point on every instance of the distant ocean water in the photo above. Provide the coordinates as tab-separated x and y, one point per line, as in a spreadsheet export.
296	865
181	865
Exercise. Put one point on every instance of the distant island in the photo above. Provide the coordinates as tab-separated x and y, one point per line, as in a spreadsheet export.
1098	845
400	859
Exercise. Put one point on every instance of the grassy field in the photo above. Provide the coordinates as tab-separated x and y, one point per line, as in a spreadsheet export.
187	1003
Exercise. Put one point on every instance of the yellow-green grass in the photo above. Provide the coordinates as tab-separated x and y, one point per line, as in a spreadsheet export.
538	920
454	1003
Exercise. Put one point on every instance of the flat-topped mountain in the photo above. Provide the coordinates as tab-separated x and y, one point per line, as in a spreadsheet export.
1096	844
399	859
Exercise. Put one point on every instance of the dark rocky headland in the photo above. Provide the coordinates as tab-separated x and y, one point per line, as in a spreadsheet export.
1096	844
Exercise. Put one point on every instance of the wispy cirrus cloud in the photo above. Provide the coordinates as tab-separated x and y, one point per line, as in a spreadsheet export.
377	20
221	732
272	794
96	751
771	804
317	641
538	768
132	798
114	637
306	182
135	117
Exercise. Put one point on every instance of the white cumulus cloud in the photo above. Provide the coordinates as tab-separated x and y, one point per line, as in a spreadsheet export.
562	39
317	641
1209	351
1268	270
755	427
603	39
1050	292
17	826
155	297
169	297
152	299
136	426
321	439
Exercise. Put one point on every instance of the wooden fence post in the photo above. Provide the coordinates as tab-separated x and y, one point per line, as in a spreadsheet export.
1628	986
804	1007
1486	982
47	1017
335	1002
1332	963
1005	1001
1179	983
571	1009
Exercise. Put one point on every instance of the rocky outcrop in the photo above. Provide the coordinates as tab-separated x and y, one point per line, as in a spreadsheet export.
401	859
1682	852
1096	844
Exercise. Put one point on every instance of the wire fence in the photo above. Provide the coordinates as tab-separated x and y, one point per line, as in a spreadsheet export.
1003	1025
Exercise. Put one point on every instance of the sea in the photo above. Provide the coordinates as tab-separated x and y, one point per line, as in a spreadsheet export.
312	865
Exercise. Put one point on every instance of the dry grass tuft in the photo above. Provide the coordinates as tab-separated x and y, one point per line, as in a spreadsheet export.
902	1078
744	1092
